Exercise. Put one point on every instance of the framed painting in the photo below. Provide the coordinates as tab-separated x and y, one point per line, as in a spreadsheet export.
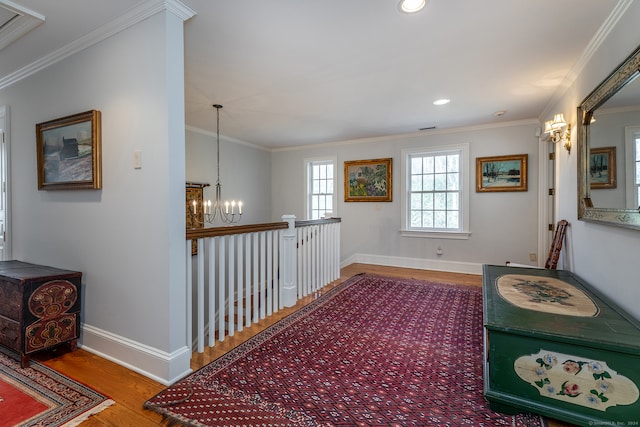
68	152
501	173
602	167
368	180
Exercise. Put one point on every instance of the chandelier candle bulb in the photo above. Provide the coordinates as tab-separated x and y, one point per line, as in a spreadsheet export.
240	207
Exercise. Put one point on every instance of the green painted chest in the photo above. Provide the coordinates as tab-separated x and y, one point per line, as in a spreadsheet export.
557	347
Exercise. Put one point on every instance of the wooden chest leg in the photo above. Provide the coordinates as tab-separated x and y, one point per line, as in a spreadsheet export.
24	361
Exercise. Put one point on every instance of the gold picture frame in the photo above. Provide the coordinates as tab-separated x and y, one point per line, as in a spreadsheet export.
602	168
501	173
69	152
368	180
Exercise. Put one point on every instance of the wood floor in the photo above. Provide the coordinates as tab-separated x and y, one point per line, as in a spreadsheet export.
130	390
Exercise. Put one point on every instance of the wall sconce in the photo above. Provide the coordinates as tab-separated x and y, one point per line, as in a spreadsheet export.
556	131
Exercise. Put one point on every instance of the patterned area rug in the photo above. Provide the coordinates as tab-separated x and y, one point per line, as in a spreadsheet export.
40	396
373	351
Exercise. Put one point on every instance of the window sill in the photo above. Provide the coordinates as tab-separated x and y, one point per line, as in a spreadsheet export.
456	235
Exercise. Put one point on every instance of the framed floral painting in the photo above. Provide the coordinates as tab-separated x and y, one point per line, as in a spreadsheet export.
368	180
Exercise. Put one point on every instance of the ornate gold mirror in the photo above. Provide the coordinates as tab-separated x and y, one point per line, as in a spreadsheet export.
609	149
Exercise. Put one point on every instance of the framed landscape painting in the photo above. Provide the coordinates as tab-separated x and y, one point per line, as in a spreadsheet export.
68	152
501	173
602	167
368	180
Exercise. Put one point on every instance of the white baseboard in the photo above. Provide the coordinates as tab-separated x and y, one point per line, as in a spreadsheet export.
418	263
165	368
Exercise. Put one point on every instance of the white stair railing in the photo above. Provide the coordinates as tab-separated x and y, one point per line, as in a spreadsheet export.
244	273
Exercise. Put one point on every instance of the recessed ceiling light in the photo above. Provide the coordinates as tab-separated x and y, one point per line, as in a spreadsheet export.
442	101
412	6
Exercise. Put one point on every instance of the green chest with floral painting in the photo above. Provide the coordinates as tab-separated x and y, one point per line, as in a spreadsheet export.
557	347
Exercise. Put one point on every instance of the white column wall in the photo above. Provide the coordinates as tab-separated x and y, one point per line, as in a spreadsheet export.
128	238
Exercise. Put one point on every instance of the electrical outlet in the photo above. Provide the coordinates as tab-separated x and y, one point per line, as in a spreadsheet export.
533	257
137	159
439	251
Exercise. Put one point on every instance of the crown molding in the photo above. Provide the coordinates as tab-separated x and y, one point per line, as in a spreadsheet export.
605	29
135	15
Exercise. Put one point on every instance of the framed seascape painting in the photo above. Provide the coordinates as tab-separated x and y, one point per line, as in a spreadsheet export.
602	167
501	173
68	151
368	180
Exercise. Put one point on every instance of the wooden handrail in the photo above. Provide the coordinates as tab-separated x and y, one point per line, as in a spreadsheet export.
199	233
308	222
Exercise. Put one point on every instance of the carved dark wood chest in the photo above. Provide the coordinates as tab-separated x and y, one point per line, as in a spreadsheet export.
39	307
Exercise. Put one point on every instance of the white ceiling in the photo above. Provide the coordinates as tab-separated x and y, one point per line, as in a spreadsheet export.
295	72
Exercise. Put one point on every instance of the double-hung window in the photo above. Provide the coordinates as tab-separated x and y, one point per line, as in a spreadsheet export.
321	195
435	192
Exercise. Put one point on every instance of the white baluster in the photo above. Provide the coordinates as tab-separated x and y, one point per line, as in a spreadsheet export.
299	268
212	291
200	299
263	275
269	273
221	281
240	271
256	276
232	292
247	280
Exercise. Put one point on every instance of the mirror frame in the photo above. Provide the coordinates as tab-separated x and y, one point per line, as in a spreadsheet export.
628	218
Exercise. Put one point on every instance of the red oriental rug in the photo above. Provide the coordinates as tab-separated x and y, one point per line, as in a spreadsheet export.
374	351
40	396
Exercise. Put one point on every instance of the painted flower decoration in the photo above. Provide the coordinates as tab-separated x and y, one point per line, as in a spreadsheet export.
598	370
570	389
593	400
596	367
572	367
549	360
604	386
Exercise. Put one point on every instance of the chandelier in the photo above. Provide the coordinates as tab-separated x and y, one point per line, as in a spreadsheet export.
228	212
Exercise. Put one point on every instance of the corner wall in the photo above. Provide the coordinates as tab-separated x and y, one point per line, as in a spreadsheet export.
128	238
604	256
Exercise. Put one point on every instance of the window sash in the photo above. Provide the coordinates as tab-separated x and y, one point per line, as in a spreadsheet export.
435	191
320	188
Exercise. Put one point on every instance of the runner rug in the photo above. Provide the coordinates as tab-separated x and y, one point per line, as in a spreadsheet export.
40	396
374	351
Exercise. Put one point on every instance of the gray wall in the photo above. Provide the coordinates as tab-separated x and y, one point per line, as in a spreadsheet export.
245	172
605	256
128	238
503	225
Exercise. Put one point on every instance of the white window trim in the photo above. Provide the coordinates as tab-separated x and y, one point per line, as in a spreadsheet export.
307	181
464	200
631	132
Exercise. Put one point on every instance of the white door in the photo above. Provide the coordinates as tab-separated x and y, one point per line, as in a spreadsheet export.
5	246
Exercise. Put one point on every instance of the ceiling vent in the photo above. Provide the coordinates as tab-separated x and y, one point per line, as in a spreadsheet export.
16	21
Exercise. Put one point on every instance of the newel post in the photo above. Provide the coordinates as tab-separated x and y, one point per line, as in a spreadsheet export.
289	288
